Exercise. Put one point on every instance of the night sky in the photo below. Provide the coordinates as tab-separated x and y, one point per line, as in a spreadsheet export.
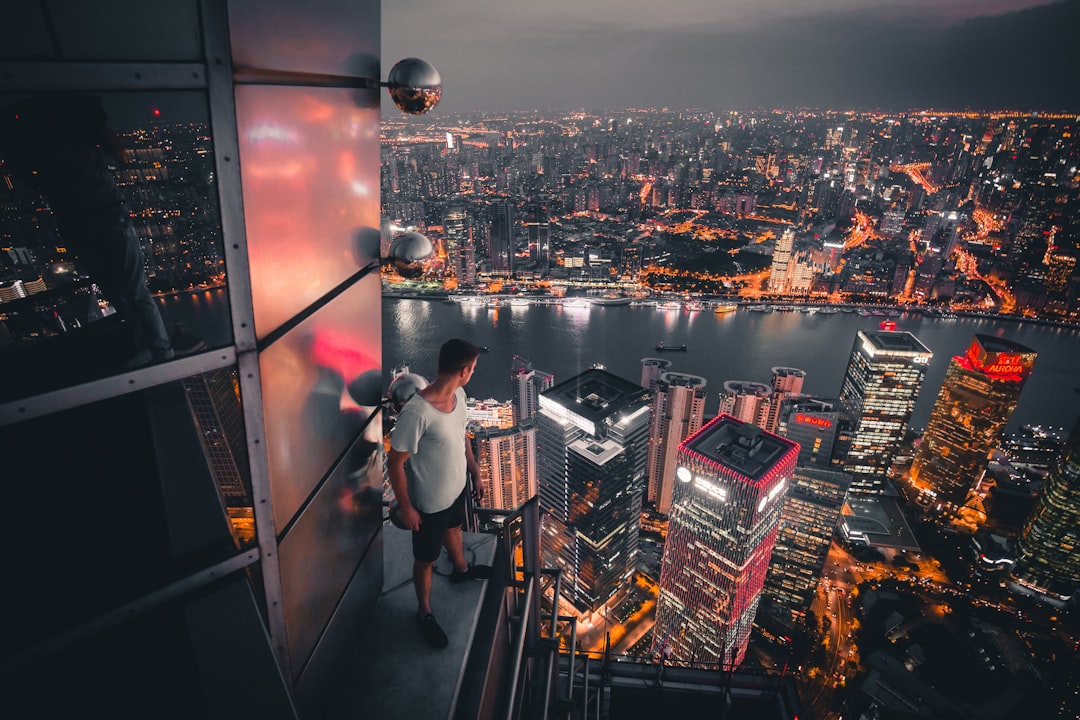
741	54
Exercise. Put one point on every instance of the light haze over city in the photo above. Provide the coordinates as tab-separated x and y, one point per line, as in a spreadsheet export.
838	54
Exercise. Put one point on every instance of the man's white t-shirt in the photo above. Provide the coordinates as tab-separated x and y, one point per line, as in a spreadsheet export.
436	468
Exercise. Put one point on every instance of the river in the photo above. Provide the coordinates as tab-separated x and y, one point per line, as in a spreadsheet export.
740	345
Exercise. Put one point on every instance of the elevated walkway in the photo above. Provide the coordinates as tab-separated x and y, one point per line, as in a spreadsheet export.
394	673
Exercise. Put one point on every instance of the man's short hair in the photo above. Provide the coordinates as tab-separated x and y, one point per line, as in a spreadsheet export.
456	354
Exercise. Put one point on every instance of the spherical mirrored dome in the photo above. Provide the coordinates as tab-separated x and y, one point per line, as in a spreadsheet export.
409	254
404	387
415	86
411	247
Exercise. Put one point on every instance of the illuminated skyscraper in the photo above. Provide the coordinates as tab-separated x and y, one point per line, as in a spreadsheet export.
592	447
811	509
677	411
214	400
882	383
821	430
507	460
779	276
747	401
456	229
526	384
786	381
502	238
726	505
1047	560
538	226
978	396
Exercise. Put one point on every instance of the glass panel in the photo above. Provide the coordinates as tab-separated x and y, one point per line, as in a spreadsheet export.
118	498
310	174
333	534
111	253
23	35
307	37
204	656
119	30
319	383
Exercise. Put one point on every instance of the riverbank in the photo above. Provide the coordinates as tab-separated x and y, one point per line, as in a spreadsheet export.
708	303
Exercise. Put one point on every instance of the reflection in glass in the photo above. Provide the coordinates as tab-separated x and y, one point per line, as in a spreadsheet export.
334	534
109	222
316	394
310	161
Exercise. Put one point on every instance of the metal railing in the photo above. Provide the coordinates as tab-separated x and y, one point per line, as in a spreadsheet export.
535	672
547	675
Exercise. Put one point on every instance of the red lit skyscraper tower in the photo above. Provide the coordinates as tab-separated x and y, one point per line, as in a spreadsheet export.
728	494
980	391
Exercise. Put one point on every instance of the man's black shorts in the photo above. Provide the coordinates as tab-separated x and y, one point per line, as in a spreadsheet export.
428	541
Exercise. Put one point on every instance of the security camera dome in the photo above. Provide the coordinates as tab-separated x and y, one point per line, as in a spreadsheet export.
415	86
404	387
408	253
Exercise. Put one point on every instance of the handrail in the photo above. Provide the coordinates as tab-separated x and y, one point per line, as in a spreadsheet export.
519	648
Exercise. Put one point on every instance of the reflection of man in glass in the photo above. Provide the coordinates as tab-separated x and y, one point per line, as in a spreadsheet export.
60	145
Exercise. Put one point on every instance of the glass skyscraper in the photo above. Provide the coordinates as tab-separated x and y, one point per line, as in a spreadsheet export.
592	447
882	383
501	246
1047	558
726	504
979	394
811	508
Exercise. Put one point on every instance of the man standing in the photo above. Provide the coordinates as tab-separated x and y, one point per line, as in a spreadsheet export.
430	458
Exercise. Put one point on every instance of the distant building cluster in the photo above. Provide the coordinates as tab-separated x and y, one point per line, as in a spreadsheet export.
970	211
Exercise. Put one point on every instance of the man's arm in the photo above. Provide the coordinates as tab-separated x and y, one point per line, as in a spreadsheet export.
395	465
472	468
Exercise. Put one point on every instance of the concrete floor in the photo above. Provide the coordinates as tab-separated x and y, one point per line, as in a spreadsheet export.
394	673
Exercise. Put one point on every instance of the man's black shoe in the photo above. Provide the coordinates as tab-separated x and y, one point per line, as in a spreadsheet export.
475	572
431	631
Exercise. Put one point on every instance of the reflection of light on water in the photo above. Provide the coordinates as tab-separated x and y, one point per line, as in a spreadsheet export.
495	316
577	315
669	320
423	309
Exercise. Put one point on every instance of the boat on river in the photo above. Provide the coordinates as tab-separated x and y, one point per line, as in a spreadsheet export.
661	347
611	300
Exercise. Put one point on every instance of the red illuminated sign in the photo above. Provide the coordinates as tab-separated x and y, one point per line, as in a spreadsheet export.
1006	365
1003	369
811	420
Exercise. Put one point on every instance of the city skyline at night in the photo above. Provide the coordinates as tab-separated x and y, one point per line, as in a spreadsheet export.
227	262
